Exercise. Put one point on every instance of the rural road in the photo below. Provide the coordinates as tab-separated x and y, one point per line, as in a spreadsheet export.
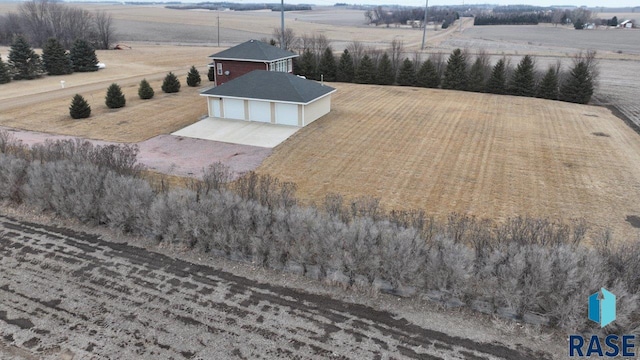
68	92
68	295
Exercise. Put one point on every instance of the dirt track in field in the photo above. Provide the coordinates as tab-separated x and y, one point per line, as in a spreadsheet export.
66	294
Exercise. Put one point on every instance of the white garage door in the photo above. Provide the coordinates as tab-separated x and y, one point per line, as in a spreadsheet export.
214	107
234	109
287	114
260	111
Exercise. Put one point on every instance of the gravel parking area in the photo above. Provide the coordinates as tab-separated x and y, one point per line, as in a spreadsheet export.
176	155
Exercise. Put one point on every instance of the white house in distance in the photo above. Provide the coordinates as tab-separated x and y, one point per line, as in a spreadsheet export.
270	97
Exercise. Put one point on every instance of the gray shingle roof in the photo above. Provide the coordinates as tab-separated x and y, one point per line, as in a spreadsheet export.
271	85
254	50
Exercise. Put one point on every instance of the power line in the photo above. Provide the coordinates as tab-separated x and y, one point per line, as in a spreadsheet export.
424	29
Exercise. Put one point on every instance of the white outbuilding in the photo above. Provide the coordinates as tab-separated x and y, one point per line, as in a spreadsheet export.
270	97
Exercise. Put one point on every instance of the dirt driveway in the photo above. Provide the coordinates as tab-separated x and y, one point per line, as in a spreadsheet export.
72	295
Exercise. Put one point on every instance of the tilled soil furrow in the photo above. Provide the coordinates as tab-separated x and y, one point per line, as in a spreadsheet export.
75	292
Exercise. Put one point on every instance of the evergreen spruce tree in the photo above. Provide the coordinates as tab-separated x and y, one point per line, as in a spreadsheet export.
497	83
385	74
79	108
23	60
193	77
548	87
83	56
345	71
211	74
523	80
455	75
55	59
145	91
171	84
366	71
578	88
327	66
307	65
115	98
5	77
428	76
407	73
578	25
476	77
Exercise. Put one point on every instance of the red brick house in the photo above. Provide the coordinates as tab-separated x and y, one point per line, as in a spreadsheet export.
248	56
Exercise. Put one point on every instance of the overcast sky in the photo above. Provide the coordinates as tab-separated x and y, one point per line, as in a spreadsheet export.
590	3
593	3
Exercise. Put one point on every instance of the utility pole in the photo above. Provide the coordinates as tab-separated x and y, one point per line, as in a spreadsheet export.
424	28
460	18
218	27
282	24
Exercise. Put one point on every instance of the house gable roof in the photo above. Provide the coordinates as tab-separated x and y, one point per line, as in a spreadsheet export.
271	85
254	50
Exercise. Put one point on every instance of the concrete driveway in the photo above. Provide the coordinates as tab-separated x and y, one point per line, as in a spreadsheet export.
238	132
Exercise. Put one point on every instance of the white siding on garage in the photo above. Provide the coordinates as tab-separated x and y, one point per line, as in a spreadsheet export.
317	109
259	111
287	114
234	109
214	107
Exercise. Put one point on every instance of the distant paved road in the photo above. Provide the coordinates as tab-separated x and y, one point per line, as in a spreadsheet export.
65	294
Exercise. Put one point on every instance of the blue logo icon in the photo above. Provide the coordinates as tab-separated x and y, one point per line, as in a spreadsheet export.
602	307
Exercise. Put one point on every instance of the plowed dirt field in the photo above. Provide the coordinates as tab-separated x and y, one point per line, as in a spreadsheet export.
68	295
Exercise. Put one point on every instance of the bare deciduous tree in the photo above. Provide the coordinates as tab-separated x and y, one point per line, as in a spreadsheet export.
105	30
592	62
357	51
290	38
396	51
39	20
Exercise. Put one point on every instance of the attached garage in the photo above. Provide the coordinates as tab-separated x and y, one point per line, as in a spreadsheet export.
259	111
287	114
268	96
214	107
233	109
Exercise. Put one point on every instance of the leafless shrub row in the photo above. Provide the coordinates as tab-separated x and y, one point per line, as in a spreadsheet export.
525	264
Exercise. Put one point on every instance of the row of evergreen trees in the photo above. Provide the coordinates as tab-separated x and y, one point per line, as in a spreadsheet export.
576	86
115	99
25	64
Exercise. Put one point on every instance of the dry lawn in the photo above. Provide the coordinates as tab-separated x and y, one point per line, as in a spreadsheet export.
139	120
41	105
484	155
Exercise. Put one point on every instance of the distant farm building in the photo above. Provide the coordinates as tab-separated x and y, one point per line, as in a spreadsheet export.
270	97
249	56
627	24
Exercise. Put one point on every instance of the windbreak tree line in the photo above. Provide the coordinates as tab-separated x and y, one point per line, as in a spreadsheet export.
24	64
458	72
521	265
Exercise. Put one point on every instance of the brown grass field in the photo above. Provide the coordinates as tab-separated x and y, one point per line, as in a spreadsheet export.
41	105
441	151
483	155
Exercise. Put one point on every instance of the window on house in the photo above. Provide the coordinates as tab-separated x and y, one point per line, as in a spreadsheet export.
272	66
219	67
290	65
